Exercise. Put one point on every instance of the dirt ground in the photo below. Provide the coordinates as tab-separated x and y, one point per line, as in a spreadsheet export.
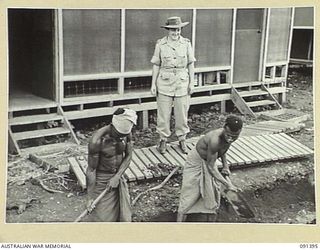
287	196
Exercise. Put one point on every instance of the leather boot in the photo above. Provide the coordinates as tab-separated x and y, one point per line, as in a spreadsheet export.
183	147
162	148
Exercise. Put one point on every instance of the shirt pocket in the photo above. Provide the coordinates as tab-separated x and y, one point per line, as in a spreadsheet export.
181	59
167	60
184	76
165	76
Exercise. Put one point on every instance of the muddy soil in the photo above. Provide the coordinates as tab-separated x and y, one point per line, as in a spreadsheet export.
290	200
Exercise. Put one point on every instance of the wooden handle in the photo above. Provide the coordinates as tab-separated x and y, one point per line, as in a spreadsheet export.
93	205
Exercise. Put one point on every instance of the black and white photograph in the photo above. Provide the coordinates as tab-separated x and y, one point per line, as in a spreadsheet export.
161	115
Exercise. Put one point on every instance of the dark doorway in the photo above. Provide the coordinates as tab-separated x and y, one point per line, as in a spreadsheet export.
31	53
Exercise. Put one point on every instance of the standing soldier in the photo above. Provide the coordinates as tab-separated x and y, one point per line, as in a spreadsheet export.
173	81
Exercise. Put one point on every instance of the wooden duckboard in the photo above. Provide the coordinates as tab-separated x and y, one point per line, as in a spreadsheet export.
285	115
148	163
270	127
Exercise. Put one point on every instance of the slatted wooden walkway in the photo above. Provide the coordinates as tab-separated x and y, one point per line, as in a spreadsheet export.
270	127
285	115
148	163
264	128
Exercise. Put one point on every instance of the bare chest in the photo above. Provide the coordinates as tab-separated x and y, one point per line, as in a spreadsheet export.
111	147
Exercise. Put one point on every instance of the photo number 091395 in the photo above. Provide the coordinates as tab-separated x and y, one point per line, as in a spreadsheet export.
309	246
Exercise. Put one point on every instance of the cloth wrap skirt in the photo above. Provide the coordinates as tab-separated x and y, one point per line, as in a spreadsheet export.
115	205
200	193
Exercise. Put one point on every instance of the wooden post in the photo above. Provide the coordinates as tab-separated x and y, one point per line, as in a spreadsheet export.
283	96
218	77
223	107
194	28
80	107
110	104
200	79
234	21
228	76
56	55
266	45
284	70
263	44
123	52
60	81
143	119
273	73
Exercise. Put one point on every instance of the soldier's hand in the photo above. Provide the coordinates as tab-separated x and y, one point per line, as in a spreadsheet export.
190	90
153	90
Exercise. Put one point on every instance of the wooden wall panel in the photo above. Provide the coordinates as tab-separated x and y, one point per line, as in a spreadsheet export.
142	32
247	45
213	37
303	16
247	55
91	41
279	32
249	19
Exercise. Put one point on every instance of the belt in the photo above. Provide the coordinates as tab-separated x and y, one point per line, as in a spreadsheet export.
173	70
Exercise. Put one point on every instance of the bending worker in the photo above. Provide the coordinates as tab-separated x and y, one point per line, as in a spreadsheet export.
110	152
200	192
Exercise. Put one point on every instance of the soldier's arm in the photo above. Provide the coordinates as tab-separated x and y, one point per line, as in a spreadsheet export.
156	61
191	78
191	60
155	74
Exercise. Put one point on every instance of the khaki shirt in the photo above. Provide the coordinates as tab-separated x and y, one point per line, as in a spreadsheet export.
173	78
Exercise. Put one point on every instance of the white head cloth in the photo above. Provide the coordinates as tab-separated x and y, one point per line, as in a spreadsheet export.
124	122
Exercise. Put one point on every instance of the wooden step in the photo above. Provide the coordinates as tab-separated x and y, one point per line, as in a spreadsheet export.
33	103
40	133
252	93
31	119
260	103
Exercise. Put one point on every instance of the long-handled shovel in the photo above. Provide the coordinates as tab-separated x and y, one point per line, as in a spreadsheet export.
93	204
238	203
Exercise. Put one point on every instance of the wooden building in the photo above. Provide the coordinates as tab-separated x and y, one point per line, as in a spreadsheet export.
302	37
68	64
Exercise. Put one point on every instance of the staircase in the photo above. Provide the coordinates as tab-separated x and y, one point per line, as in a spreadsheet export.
253	101
35	124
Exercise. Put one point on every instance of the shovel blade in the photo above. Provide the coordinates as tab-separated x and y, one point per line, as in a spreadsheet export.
239	204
